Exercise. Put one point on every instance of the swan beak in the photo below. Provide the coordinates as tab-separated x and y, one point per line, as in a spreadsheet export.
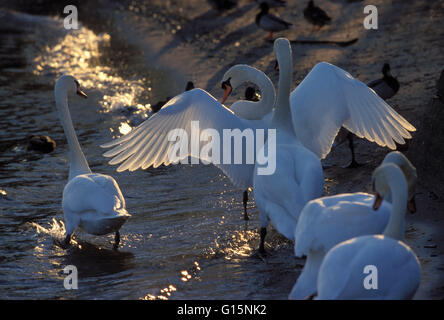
81	93
411	205
378	201
227	92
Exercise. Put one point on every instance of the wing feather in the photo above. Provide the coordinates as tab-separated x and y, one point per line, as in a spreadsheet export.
148	144
329	98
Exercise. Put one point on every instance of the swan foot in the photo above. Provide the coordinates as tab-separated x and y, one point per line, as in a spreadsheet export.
311	297
245	200
116	240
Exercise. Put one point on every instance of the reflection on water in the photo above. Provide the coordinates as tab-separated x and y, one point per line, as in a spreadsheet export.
186	238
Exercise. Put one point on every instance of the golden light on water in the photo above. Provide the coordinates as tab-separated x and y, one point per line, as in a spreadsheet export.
124	128
78	53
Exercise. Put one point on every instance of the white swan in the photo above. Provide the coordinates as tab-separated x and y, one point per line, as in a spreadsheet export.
330	98
394	267
298	177
327	221
91	201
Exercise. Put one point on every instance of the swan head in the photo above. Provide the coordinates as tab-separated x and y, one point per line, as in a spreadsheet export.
282	49
70	85
410	174
381	181
234	77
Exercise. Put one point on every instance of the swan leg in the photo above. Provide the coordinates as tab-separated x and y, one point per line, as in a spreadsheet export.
353	163
116	240
65	243
263	233
245	200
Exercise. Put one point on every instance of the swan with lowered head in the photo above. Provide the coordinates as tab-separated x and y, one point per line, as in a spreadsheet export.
327	221
298	177
394	267
91	201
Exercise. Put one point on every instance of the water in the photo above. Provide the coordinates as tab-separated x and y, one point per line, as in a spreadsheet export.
186	239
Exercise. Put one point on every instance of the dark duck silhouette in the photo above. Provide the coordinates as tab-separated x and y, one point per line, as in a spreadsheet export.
42	144
385	87
269	22
316	15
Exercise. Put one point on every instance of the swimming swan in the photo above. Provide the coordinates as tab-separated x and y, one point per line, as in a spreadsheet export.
91	201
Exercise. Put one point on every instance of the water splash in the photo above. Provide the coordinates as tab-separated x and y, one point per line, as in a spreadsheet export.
56	230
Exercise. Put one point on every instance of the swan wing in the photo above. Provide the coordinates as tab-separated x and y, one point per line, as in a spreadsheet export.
329	98
149	145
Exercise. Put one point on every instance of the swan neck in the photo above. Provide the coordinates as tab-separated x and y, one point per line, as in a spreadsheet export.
255	110
282	119
78	164
398	189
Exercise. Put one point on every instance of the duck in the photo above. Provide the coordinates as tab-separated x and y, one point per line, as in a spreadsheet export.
327	221
298	177
270	22
316	15
41	143
345	103
252	95
387	86
91	201
394	268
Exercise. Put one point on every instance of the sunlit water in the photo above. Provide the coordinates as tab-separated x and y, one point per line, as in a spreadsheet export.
186	238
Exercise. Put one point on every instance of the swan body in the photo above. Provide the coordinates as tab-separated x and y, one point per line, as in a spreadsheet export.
327	221
298	177
342	272
91	201
330	98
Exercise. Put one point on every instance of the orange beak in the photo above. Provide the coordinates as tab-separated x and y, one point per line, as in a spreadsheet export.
378	201
227	92
81	93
